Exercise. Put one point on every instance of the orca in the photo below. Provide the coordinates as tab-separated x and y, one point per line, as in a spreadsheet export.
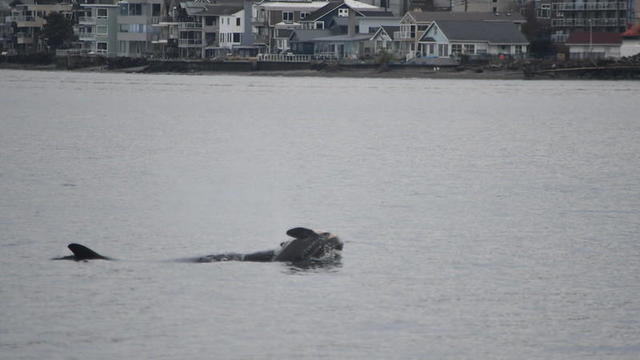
306	245
81	252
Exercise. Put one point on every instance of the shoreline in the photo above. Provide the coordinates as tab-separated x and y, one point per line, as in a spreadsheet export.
346	71
372	73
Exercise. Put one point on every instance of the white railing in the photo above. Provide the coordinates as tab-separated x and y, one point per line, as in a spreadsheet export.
87	20
289	58
402	35
189	25
610	5
23	18
586	22
189	42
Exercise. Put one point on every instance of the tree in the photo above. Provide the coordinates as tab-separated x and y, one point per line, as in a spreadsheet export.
58	30
537	32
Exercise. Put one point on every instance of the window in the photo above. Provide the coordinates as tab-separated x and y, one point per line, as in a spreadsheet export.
210	20
343	12
102	13
469	49
519	49
130	9
236	37
155	9
544	11
237	21
456	49
287	16
443	50
135	9
303	15
101	46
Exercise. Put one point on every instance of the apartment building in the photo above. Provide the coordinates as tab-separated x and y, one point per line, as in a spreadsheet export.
135	26
97	27
565	17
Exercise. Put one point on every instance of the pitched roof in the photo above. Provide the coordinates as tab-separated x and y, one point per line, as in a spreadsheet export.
376	13
359	7
344	37
427	16
221	9
492	32
595	37
303	35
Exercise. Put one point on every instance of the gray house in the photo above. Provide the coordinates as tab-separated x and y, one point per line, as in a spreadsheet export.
446	38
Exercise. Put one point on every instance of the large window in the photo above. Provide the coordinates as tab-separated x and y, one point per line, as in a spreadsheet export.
287	16
130	9
237	21
133	28
101	13
155	9
443	50
210	20
102	46
236	37
544	11
456	49
469	49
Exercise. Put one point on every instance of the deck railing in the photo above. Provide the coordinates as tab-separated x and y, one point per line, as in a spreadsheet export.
290	58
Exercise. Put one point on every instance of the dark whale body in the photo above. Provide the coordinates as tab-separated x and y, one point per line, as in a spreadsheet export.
305	245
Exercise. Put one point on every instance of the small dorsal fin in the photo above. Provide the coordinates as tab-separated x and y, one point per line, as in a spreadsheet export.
301	233
82	252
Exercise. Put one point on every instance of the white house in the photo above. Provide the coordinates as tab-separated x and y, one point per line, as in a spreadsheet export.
231	29
594	45
630	41
445	38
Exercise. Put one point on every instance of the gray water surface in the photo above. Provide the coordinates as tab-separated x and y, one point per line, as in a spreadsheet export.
481	219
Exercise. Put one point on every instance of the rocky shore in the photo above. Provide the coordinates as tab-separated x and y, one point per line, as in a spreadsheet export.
626	68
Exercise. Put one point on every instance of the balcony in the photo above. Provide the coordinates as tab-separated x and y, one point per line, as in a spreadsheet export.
599	22
189	42
591	6
87	20
189	25
403	36
87	37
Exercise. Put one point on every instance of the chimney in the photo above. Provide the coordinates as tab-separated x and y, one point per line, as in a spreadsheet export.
351	27
247	36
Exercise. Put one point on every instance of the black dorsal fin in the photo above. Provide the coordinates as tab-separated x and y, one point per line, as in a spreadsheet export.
301	233
82	252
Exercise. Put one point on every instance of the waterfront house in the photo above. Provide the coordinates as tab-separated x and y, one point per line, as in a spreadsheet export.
336	13
97	28
135	30
630	41
29	17
274	19
383	39
301	41
452	38
6	31
594	45
414	23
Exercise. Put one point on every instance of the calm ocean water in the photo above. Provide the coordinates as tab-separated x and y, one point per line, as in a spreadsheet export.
481	219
